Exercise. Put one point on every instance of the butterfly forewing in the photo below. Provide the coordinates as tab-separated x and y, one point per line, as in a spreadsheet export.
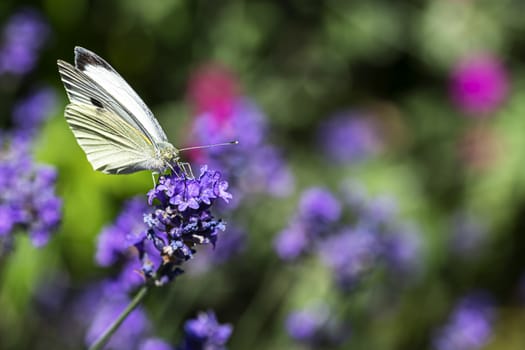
82	89
105	76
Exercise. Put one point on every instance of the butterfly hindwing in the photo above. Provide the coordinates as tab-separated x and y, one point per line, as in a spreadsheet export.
112	145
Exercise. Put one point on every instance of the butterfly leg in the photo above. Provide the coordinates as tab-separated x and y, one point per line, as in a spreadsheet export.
186	170
153	178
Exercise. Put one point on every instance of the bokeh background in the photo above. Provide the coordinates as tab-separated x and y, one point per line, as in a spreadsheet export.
379	185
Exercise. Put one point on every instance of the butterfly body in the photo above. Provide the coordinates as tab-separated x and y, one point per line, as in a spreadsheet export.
114	127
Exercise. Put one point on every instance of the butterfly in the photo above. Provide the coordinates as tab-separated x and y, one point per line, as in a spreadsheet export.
111	123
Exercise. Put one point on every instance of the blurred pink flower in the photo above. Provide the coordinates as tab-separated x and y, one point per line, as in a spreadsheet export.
479	84
213	89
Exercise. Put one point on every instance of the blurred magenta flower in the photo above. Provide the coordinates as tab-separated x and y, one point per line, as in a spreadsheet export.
470	325
23	37
349	137
479	84
213	89
205	333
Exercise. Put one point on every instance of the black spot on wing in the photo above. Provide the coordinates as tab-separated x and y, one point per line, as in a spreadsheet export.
96	102
84	57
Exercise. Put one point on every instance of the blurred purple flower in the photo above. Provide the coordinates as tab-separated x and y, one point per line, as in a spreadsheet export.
479	84
349	137
30	112
27	193
292	242
469	327
23	37
350	255
115	240
205	333
154	344
318	205
315	327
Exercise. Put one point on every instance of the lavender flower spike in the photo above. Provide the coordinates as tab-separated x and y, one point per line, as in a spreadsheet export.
205	333
180	221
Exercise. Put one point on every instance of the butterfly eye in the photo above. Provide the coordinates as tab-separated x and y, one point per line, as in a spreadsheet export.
96	103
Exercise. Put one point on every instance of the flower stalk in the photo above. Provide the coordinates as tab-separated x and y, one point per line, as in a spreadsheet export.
106	335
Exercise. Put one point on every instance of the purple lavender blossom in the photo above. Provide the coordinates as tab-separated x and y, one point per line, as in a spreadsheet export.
469	327
318	209
180	221
349	137
319	205
115	241
350	255
30	112
292	242
152	243
479	84
205	333
23	37
315	327
27	193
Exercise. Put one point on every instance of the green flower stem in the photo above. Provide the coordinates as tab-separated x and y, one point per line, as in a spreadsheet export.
104	338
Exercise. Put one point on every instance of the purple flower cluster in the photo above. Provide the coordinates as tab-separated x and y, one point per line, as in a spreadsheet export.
23	38
349	137
205	333
469	327
352	236
315	327
157	240
27	193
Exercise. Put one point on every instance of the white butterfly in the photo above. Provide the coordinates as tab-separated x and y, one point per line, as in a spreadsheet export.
114	127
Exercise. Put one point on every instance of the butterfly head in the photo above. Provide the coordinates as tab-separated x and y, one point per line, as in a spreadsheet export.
167	155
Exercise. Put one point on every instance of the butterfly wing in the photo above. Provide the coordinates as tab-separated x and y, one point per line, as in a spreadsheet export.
115	86
111	123
112	145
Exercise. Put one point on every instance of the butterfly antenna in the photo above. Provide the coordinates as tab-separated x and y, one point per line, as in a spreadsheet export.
209	146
